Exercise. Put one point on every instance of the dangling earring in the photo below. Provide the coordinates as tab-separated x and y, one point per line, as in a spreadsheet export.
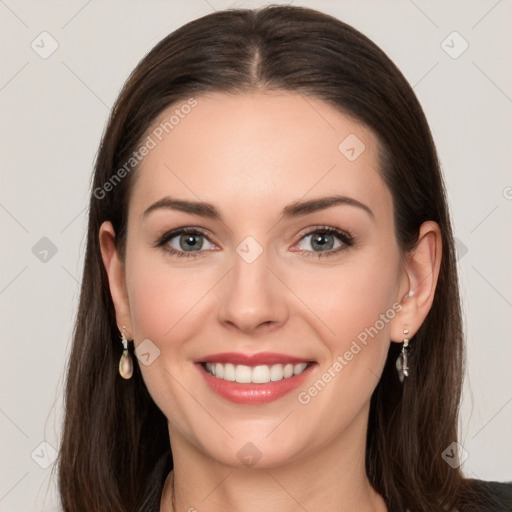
125	363
401	362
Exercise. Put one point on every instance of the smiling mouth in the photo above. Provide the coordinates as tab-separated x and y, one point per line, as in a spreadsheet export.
260	374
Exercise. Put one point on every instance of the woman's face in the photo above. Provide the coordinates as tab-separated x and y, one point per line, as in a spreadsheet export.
258	280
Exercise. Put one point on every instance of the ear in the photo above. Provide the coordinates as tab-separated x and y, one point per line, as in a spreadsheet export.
116	277
419	280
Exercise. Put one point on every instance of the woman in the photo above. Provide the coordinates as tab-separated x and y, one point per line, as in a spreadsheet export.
269	316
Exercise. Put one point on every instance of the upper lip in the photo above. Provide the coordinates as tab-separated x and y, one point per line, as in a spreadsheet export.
260	358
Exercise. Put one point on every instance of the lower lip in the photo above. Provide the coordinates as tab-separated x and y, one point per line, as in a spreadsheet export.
254	393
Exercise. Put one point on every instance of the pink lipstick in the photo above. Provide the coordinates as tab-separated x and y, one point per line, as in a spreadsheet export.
253	378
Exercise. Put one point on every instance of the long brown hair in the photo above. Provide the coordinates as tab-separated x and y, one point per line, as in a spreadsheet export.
113	433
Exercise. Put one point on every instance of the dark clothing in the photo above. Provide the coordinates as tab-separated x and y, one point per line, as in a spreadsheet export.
499	492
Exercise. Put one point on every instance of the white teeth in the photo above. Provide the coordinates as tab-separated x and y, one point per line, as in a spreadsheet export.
242	373
229	372
276	372
262	374
288	371
299	368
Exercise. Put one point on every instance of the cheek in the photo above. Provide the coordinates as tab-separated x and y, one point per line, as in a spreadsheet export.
163	299
350	297
166	303
169	302
354	304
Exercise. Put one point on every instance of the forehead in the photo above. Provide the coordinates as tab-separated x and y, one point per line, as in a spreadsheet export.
259	149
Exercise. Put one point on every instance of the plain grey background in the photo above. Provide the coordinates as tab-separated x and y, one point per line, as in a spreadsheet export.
63	64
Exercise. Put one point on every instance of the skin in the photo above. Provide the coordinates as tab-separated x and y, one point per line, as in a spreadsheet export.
250	155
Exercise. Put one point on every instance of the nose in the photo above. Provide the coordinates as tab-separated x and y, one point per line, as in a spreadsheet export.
253	300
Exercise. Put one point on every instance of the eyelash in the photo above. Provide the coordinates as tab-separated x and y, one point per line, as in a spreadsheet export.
344	236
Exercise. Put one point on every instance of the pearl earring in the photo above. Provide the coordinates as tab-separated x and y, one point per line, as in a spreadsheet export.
401	362
126	362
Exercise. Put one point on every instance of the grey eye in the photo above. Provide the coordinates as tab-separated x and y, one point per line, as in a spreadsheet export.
189	242
319	242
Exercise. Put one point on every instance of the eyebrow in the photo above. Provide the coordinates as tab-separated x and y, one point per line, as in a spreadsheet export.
295	209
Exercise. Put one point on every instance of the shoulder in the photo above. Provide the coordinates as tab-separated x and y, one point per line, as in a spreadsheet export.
486	496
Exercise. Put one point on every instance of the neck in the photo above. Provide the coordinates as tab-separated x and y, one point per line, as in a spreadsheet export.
331	479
